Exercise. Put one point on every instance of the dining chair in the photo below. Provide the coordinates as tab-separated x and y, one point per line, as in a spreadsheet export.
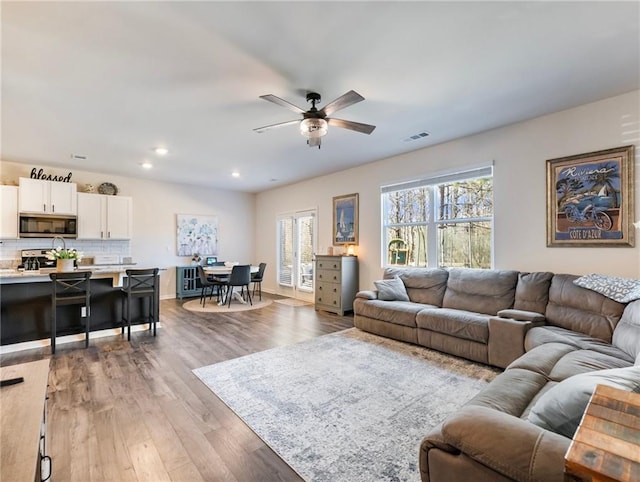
141	284
207	283
256	279
240	276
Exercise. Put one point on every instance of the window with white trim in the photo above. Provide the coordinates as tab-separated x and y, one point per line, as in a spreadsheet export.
443	221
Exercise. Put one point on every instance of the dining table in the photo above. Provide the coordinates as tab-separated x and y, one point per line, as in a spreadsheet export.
226	271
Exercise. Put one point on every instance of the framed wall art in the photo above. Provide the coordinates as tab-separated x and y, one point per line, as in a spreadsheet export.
345	219
197	235
590	199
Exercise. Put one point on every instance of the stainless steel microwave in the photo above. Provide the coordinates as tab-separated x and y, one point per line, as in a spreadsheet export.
48	226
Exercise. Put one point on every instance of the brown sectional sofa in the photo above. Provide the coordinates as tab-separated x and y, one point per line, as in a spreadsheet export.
540	327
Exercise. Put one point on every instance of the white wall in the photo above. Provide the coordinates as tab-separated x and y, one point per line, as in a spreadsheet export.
519	152
155	206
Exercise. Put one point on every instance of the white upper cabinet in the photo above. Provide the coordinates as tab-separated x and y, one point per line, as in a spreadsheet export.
104	217
47	197
9	212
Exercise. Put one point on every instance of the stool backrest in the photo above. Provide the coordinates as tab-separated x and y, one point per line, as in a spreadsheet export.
72	286
142	280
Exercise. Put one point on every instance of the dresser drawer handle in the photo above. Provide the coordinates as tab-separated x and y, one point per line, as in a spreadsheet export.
47	458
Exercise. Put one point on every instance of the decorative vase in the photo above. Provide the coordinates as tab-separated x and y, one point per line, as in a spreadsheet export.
64	265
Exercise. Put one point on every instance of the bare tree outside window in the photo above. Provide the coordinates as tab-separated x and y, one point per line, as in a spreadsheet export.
464	223
460	228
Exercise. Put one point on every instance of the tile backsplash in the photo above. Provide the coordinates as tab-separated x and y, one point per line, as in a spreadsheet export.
10	248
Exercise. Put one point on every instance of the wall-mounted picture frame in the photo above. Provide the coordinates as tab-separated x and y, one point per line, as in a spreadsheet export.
197	234
590	199
345	219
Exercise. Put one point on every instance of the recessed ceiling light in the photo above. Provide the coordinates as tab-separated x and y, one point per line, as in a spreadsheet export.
161	151
147	165
235	174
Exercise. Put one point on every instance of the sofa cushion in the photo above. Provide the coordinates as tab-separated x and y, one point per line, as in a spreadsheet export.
542	359
560	409
511	391
622	290
626	336
458	323
532	291
423	285
396	312
581	310
584	361
480	290
391	289
541	336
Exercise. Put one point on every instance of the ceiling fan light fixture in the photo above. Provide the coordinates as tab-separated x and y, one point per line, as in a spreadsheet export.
313	128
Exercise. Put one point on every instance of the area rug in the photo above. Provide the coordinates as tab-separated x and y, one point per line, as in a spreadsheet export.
292	302
211	306
349	406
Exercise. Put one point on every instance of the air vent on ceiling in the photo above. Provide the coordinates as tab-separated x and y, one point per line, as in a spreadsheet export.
415	137
79	157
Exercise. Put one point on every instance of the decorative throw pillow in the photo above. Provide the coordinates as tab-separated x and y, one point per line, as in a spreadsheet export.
560	409
391	289
622	290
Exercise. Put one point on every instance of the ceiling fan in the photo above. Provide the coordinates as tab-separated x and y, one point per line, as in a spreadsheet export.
314	123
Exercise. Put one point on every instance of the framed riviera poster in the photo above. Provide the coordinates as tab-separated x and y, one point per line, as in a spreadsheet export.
590	200
345	219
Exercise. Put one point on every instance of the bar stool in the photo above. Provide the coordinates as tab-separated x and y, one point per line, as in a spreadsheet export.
70	289
141	283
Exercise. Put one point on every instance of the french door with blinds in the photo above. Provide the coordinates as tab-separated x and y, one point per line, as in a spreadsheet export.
296	245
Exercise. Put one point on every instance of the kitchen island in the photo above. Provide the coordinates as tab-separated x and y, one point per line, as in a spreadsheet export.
25	305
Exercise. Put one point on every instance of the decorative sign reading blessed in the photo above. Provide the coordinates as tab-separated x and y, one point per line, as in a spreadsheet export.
49	177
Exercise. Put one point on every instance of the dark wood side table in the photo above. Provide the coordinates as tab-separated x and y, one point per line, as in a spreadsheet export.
606	446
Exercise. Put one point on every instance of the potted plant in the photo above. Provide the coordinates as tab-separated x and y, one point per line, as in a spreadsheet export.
64	258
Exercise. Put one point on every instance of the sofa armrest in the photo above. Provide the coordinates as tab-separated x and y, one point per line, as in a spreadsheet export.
509	445
367	295
506	339
521	315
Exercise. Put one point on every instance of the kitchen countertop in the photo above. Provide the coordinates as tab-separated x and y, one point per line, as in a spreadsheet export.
117	272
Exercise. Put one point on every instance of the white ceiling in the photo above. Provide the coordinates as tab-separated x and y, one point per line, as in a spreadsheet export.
112	80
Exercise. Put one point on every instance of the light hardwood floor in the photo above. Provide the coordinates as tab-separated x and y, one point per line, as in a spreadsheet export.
121	411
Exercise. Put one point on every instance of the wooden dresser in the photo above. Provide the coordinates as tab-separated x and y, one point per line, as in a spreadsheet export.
23	422
336	283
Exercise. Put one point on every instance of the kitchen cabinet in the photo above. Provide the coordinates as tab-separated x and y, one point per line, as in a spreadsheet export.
9	212
47	197
104	217
336	283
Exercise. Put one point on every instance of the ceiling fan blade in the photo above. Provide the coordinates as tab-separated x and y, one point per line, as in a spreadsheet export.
354	126
275	126
345	100
282	103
